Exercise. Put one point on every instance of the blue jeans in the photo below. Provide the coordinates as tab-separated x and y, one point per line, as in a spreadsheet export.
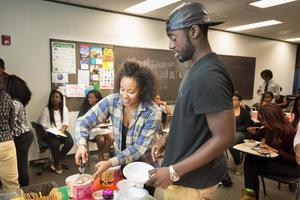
238	138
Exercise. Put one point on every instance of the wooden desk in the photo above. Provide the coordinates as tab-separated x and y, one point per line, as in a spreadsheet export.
247	149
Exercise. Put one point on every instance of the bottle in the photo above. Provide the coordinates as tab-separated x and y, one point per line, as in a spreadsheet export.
108	194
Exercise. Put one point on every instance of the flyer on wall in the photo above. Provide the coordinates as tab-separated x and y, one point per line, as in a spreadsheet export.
106	78
84	56
108	58
96	56
63	57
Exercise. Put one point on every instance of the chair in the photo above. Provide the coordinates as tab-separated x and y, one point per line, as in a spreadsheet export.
42	146
281	179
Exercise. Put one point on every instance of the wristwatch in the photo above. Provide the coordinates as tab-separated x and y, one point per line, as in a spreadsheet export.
173	174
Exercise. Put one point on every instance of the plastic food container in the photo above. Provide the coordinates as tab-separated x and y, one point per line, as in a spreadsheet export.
80	186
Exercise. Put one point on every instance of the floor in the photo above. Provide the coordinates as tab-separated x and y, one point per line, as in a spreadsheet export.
232	193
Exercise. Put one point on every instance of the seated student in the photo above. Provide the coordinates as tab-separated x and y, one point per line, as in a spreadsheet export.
278	135
55	115
23	137
135	118
103	137
164	107
243	121
268	97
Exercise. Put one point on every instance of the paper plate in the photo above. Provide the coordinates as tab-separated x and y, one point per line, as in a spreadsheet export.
137	172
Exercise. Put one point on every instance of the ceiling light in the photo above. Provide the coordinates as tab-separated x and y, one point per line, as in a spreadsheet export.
149	5
269	3
254	25
293	39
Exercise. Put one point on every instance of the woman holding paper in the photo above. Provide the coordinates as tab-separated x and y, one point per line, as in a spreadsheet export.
55	116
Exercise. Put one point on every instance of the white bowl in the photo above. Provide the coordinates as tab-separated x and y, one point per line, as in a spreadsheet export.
137	172
125	183
251	143
133	193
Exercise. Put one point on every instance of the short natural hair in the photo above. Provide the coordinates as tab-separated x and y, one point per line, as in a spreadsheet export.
2	64
238	96
145	78
266	73
17	88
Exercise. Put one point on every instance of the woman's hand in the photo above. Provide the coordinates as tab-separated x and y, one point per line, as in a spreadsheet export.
81	154
63	128
252	129
158	148
101	166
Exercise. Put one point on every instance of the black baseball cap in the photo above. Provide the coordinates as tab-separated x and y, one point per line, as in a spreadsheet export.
188	14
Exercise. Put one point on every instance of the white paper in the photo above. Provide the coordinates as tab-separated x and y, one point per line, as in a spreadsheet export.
62	89
74	90
60	78
84	66
56	131
63	57
83	77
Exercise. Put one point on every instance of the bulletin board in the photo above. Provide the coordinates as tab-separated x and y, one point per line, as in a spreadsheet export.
82	58
162	62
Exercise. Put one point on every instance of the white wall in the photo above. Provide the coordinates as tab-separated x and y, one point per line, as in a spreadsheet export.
32	22
280	57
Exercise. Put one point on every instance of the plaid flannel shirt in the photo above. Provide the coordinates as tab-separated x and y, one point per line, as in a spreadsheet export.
141	133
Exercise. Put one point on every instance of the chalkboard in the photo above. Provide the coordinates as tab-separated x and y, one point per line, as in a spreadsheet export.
169	71
242	72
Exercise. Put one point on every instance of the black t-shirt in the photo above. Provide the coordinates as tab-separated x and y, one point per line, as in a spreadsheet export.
207	87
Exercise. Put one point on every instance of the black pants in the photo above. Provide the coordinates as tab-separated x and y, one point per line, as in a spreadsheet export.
55	142
255	166
23	143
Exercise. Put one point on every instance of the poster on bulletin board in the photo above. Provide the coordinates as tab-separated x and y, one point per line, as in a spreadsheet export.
63	57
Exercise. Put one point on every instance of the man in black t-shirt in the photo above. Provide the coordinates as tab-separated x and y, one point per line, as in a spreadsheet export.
203	123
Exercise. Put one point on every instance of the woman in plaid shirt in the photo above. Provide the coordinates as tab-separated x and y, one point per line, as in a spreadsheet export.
135	118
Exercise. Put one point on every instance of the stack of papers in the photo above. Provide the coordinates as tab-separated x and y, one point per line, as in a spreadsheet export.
56	131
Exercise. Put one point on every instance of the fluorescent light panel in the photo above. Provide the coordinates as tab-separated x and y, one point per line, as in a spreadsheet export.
254	25
293	39
269	3
149	5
